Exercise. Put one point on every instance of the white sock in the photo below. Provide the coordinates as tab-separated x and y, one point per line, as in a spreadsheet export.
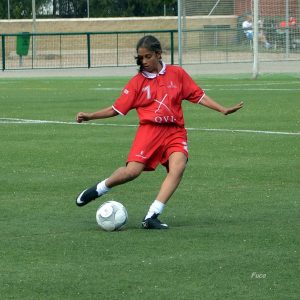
156	207
102	188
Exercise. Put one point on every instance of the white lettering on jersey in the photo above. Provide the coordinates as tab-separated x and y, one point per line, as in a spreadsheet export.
160	103
125	91
147	90
165	119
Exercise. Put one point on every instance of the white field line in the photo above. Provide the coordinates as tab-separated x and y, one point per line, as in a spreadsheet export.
229	87
220	89
105	89
257	86
253	89
29	121
253	84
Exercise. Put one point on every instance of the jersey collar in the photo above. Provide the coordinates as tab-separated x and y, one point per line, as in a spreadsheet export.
154	75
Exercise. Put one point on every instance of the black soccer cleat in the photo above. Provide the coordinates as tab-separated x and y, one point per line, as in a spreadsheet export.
87	196
153	223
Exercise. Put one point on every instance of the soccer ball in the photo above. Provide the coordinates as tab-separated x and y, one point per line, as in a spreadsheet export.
111	216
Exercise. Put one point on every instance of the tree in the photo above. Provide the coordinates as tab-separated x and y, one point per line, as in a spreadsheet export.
71	8
130	8
21	9
3	10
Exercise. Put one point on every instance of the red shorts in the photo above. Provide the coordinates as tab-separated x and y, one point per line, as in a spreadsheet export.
153	145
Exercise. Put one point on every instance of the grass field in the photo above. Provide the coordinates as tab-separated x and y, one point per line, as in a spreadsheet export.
234	220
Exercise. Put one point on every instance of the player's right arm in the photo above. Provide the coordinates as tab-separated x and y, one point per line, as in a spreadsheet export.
100	114
122	105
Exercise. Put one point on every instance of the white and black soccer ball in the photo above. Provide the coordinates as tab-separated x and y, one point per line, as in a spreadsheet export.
111	216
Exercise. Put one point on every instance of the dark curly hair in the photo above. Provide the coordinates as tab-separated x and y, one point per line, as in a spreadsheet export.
149	42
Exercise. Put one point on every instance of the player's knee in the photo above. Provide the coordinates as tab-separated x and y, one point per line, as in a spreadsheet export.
180	163
133	172
178	169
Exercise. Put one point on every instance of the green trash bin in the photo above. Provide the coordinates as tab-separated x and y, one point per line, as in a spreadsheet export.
23	41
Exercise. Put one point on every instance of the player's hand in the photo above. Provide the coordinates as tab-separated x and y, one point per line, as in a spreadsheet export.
233	109
82	116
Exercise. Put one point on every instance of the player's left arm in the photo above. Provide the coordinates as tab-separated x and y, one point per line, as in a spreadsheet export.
210	103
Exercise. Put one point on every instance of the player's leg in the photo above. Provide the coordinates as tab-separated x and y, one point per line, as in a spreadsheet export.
177	164
122	175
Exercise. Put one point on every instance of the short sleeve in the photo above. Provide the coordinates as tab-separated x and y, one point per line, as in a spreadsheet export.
127	99
190	90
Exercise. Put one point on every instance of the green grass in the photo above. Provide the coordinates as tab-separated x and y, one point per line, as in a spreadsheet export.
235	213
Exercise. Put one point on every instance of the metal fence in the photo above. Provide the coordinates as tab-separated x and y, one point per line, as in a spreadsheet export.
99	49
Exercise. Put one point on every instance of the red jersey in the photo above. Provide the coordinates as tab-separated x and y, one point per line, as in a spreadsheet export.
158	97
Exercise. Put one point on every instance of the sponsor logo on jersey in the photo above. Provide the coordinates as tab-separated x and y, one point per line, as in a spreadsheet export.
172	85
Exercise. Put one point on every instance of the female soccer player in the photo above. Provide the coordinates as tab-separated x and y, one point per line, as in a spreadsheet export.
156	93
